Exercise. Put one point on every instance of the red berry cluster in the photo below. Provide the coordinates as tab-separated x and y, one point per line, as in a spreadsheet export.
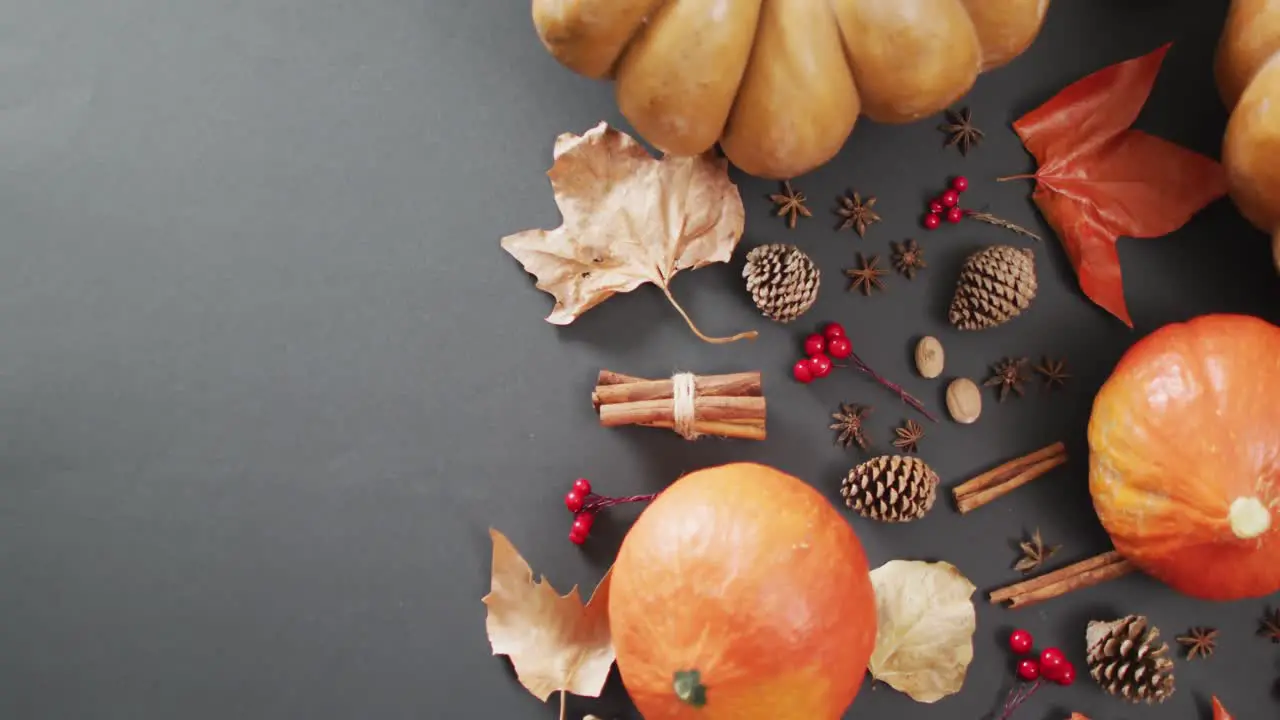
582	520
584	504
947	205
819	349
1051	664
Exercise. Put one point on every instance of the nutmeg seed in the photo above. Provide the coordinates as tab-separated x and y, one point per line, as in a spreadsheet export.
929	357
964	401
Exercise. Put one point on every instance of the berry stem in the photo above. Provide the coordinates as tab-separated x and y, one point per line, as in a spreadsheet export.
595	502
748	335
907	397
1017	696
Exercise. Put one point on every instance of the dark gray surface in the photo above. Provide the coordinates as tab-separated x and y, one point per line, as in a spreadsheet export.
267	377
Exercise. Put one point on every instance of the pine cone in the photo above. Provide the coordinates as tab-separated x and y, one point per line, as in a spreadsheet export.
996	285
782	280
891	488
1128	661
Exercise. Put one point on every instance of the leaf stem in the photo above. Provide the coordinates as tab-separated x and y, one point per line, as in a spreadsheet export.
562	694
1024	176
749	335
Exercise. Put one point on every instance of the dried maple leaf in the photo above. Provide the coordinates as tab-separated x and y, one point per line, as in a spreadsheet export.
1077	716
926	621
1219	712
1098	179
555	642
629	219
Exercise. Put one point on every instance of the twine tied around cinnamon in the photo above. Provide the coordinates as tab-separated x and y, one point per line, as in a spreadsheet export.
693	406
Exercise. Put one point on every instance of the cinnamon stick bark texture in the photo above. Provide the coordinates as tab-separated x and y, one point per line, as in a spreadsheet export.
1086	573
731	406
997	483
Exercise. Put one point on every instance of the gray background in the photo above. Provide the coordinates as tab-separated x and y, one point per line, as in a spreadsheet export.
267	378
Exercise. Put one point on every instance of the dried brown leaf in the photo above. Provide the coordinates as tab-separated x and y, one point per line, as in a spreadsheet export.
924	641
629	219
554	641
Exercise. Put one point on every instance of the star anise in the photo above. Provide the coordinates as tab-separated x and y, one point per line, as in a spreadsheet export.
1054	372
791	204
1007	375
909	435
1269	626
961	129
1034	553
866	277
1199	642
856	213
848	423
907	258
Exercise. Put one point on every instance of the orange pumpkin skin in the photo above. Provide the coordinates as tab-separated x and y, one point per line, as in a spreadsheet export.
750	577
1184	465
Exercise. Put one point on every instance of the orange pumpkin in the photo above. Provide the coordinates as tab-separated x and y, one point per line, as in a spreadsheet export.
740	593
780	83
1184	464
1247	67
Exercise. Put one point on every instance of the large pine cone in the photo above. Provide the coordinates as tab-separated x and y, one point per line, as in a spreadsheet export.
891	488
1128	660
782	280
996	285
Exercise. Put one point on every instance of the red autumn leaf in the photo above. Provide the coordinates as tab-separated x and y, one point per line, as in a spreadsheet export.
1098	179
1219	712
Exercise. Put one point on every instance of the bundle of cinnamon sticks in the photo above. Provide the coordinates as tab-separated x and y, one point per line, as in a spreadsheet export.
731	406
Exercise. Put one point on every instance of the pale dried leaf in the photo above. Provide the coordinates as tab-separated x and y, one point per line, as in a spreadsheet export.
629	218
924	642
554	642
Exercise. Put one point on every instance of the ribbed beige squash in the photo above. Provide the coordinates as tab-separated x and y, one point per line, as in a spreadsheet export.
781	83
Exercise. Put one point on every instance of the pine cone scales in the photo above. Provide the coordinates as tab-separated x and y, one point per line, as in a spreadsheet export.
996	284
1128	660
783	281
891	488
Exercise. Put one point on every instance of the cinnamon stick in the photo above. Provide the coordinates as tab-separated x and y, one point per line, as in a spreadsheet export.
731	405
1010	476
739	431
1086	573
609	390
705	408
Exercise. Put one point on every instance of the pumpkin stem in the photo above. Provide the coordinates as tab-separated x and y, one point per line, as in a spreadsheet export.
1249	518
689	688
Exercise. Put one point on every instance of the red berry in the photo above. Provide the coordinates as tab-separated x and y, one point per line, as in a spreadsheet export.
932	221
583	522
1021	641
583	486
832	330
950	198
576	537
1051	661
820	365
839	348
959	183
815	344
802	371
1066	675
1028	669
955	215
935	207
573	501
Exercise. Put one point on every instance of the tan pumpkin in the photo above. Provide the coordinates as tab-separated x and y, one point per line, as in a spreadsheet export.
780	83
1248	74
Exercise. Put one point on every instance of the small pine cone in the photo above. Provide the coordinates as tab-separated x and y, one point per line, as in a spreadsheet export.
996	285
1128	660
782	280
891	488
